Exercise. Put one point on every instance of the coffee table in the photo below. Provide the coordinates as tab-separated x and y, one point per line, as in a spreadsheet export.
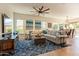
40	40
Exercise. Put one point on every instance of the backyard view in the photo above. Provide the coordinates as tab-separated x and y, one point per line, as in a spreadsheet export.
8	25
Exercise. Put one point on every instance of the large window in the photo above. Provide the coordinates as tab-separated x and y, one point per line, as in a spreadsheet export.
61	26
58	26
29	24
37	24
19	26
8	25
74	25
55	26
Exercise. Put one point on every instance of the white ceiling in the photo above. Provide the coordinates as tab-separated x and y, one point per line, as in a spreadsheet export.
57	10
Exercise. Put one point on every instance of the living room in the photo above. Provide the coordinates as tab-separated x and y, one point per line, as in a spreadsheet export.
36	27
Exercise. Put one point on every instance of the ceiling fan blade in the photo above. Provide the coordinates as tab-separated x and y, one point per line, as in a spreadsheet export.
45	10
35	9
41	8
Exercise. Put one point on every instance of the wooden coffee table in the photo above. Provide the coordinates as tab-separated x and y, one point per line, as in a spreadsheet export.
40	40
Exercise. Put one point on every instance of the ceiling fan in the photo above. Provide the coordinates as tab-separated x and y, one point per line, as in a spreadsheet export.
41	10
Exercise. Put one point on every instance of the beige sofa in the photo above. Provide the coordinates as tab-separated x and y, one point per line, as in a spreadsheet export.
56	38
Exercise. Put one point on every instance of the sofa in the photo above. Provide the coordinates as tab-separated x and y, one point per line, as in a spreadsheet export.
55	37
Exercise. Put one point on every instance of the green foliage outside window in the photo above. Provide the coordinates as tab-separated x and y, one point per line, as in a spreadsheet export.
55	27
9	30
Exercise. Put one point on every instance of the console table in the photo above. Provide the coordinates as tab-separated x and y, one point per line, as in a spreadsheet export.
7	45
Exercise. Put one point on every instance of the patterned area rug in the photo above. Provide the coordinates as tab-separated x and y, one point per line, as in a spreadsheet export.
28	48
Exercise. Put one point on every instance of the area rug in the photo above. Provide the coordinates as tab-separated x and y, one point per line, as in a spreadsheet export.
28	48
